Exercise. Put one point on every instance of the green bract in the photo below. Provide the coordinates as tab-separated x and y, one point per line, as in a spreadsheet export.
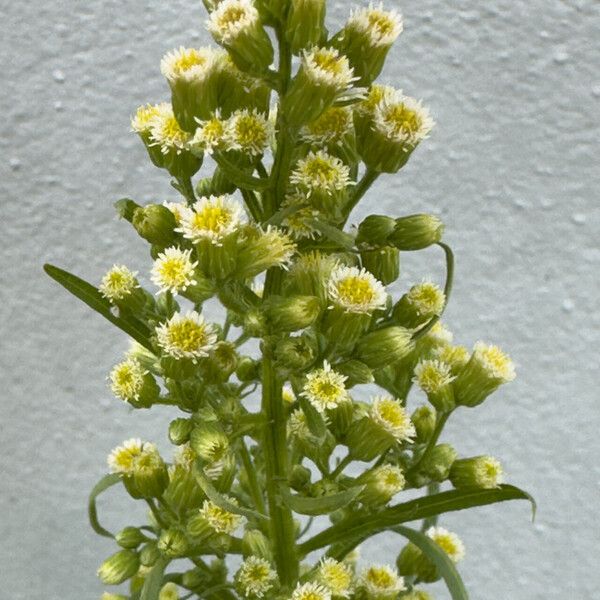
309	321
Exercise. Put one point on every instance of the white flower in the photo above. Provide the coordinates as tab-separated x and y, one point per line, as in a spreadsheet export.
440	334
391	416
495	362
248	131
427	298
255	577
324	388
166	132
118	283
321	172
449	542
402	119
389	479
178	209
189	64
337	577
221	520
377	95
174	270
381	582
232	17
331	127
212	219
299	222
382	27
186	336
141	122
326	67
123	458
127	379
356	290
311	591
209	135
433	375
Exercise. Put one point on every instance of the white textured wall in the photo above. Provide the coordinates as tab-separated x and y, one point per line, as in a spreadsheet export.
512	166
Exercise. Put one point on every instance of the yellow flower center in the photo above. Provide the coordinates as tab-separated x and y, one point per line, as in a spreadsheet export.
336	577
175	271
144	116
124	458
328	61
381	578
391	412
189	59
231	16
327	390
402	119
427	298
355	290
446	543
212	218
333	122
250	132
187	335
320	169
382	22
376	95
171	131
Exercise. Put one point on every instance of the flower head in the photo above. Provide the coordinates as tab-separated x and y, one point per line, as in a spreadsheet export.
188	64
231	18
356	290
381	582
495	362
324	388
433	375
337	577
213	219
382	27
326	67
248	131
330	128
427	299
377	95
174	270
311	591
186	336
255	577
403	120
455	356
439	334
184	456
142	121
449	542
127	380
178	209
118	283
221	520
388	479
166	132
391	416
209	135
321	172
125	458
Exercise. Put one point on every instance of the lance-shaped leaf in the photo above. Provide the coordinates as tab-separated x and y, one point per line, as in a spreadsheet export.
240	178
359	527
322	505
106	482
154	580
89	294
337	236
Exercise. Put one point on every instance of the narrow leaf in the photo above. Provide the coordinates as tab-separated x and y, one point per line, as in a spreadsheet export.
345	240
154	580
239	177
319	506
93	298
106	482
215	496
359	527
441	560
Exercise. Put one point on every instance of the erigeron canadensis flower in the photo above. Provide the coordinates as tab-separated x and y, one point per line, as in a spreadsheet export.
393	418
122	458
297	425
455	356
324	388
142	121
300	218
119	567
166	133
329	128
255	577
449	542
178	209
337	577
494	361
118	283
188	64
209	136
288	396
249	132
262	249
381	582
174	270
231	18
169	591
305	23
127	380
219	519
355	290
184	456
433	375
213	219
422	302
320	172
377	95
311	591
381	484
186	336
380	26
326	67
483	472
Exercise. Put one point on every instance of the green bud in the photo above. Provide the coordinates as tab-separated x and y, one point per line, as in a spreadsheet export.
130	538
183	493
221	363
173	543
357	372
107	596
209	441
416	594
420	304
424	420
416	232
156	224
381	484
248	369
125	208
343	329
482	472
292	313
149	477
296	352
305	24
299	478
178	368
255	543
383	263
194	578
149	554
119	567
438	463
375	230
255	323
179	431
169	591
384	346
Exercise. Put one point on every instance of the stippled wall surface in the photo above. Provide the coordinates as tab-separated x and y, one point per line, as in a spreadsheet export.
512	167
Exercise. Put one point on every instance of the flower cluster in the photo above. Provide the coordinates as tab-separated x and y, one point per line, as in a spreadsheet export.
264	297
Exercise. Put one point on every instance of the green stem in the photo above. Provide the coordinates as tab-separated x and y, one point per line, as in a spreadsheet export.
252	203
341	466
432	488
435	436
259	502
362	187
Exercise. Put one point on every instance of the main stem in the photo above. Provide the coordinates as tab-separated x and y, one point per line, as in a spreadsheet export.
275	439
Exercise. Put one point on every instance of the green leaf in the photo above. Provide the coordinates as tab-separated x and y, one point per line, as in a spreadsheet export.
441	560
345	240
154	580
215	496
314	419
94	299
125	208
240	178
106	482
319	506
361	526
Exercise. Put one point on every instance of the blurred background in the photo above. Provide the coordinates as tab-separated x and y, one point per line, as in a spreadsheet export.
512	168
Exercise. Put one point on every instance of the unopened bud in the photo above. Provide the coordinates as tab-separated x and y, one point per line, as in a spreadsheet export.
130	538
383	263
156	224
384	346
248	369
483	472
305	24
299	477
356	372
169	591
209	441
255	543
375	230
119	567
438	462
179	431
296	352
416	232
173	543
149	554
292	313
424	419
381	484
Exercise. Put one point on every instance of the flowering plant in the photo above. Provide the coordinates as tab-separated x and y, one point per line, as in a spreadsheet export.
307	323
